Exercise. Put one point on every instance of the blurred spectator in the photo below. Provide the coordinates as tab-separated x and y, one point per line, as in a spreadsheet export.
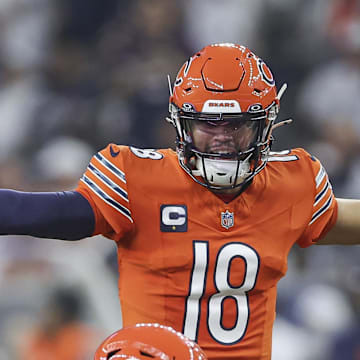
288	336
26	38
27	30
347	344
212	21
61	334
57	165
327	101
318	315
20	95
138	49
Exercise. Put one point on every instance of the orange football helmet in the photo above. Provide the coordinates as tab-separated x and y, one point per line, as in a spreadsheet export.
223	105
148	341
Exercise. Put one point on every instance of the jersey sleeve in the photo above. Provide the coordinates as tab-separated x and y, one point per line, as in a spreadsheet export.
324	210
104	186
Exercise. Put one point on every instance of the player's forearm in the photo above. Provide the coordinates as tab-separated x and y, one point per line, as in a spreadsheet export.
346	231
59	215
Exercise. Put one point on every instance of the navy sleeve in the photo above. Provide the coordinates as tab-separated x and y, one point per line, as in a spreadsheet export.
65	215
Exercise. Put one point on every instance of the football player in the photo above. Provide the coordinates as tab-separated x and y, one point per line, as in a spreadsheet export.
148	341
203	232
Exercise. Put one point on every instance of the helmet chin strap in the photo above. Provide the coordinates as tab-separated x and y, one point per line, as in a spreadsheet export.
222	172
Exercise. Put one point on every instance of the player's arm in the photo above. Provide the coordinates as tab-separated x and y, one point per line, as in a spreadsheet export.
65	215
346	230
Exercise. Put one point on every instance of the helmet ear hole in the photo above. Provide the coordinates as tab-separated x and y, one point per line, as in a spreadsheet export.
112	353
146	354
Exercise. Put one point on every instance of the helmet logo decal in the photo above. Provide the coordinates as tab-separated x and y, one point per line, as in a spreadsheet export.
178	81
187	107
226	104
255	108
221	106
227	219
265	72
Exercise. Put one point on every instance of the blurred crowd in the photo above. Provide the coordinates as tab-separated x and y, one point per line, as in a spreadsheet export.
76	75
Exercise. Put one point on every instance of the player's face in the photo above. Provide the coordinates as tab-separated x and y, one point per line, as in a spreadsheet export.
223	137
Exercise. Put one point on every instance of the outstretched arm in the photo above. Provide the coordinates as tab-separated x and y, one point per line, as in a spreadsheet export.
65	215
346	230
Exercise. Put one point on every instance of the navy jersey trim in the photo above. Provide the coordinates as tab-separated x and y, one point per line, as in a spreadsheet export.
105	197
107	181
110	166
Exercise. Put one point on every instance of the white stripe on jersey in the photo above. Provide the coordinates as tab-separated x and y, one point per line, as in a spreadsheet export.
325	207
108	182
320	176
282	152
322	192
283	158
111	167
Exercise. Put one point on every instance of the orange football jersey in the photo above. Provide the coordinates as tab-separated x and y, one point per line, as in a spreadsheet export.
191	261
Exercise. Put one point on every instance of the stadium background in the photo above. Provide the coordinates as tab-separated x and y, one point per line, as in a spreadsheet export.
76	75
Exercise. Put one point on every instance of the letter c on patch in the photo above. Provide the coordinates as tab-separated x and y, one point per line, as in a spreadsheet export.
173	218
173	215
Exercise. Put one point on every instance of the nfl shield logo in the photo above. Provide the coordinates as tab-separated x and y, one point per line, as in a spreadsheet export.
227	219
